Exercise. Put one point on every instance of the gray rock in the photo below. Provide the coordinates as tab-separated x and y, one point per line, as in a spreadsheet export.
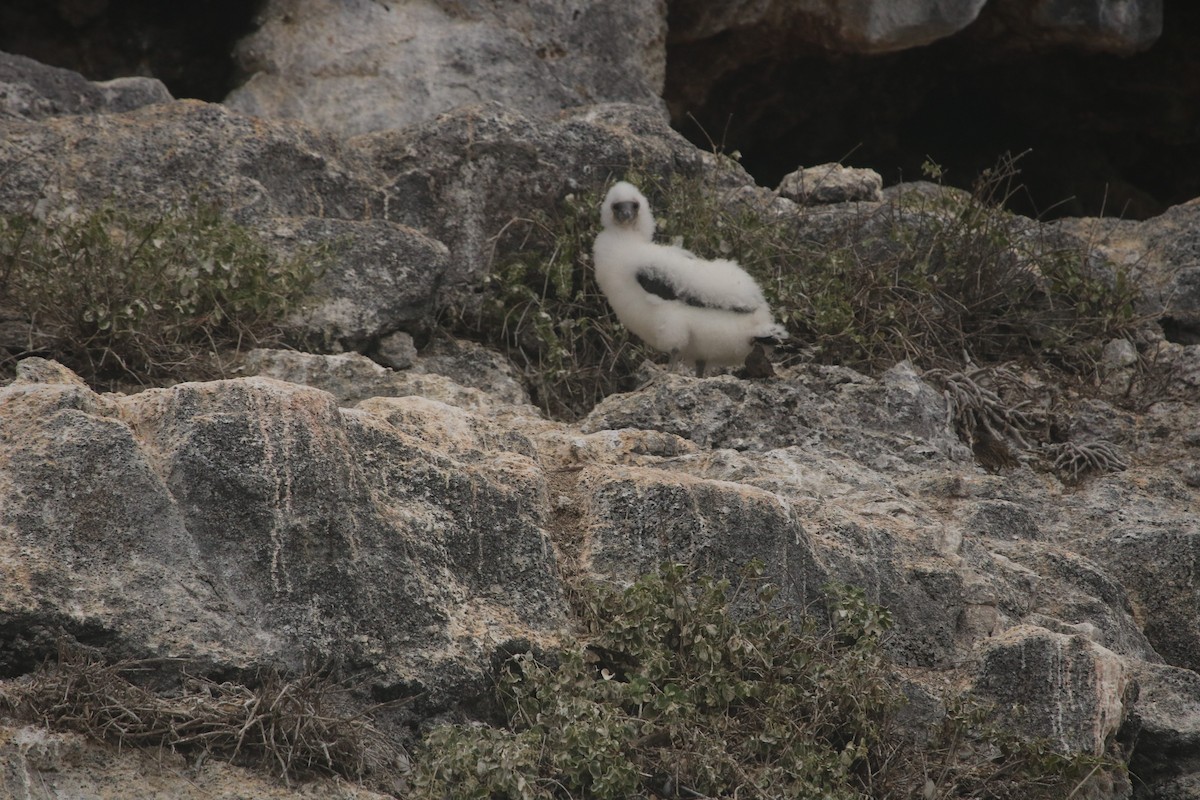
1165	723
296	187
715	525
168	154
1098	25
1155	559
410	522
381	276
875	26
349	377
353	67
256	523
466	175
1118	354
799	408
457	180
31	90
474	384
473	365
396	350
1159	256
831	183
1063	688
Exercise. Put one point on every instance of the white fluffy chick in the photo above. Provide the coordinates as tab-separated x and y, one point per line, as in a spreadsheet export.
701	312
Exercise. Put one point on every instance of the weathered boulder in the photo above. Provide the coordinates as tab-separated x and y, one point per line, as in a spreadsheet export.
30	90
353	67
258	523
464	176
831	183
381	276
1064	688
1165	727
167	154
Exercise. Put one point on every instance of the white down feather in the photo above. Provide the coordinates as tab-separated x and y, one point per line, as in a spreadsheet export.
726	312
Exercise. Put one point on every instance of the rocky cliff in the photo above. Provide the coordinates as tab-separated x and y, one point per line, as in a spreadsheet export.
407	525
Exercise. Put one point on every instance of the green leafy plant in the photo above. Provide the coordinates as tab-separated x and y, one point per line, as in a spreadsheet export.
120	296
673	693
687	686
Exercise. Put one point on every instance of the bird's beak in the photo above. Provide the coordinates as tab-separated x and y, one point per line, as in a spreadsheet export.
625	211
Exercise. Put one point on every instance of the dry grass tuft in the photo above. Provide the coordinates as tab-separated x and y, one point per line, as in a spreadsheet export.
291	727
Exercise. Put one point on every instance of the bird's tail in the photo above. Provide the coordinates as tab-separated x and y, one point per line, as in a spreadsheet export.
772	335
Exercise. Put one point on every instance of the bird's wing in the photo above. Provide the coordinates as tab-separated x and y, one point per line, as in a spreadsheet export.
676	274
660	283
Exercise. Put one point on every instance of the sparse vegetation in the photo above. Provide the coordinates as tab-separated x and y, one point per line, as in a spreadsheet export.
679	686
290	727
931	276
545	310
128	298
688	687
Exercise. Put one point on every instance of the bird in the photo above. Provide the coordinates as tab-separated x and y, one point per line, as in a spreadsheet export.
701	312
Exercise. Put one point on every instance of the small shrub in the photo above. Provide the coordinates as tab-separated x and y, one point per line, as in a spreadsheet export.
123	297
675	694
688	687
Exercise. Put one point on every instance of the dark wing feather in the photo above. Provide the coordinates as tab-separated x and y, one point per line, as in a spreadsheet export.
656	283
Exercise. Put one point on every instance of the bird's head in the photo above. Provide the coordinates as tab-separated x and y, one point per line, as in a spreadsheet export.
625	208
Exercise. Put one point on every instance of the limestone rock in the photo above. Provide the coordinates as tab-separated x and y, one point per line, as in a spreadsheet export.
382	276
1166	722
831	183
800	408
351	377
33	91
455	181
256	522
353	67
163	155
396	350
1063	688
716	525
472	365
462	177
